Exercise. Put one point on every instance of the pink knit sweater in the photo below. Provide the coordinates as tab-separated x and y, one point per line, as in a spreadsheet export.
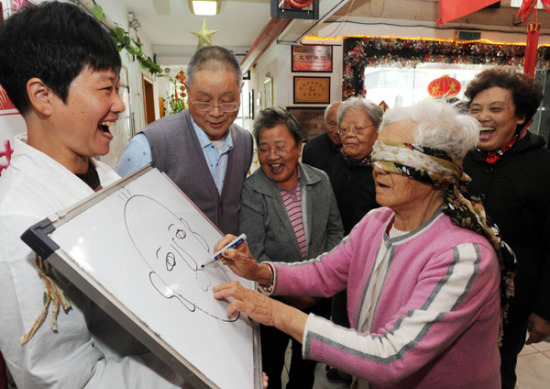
430	317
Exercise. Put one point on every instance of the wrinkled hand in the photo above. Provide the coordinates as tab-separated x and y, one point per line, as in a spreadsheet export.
539	329
262	309
265	380
240	259
257	306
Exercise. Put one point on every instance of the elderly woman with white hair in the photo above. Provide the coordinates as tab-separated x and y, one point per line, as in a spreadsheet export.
422	271
350	172
351	178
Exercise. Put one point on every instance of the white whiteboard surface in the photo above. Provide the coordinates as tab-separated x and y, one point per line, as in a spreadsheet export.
137	249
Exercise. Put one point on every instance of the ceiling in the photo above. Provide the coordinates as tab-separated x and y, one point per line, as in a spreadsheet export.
241	24
238	24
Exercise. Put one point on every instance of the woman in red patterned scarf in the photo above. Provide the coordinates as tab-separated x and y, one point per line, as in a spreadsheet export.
510	171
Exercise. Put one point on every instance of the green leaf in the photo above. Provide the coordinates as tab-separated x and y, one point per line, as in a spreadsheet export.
135	51
98	12
120	33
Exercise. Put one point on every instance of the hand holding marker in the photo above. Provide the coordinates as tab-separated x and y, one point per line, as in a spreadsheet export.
231	245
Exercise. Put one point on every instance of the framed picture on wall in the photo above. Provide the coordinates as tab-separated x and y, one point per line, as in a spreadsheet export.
311	118
268	92
311	90
311	58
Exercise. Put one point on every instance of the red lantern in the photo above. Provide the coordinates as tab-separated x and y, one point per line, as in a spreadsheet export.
444	86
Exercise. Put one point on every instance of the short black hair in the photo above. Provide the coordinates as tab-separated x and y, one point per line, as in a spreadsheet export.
526	90
270	117
54	42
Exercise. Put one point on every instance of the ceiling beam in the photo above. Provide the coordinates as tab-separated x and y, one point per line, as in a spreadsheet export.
267	36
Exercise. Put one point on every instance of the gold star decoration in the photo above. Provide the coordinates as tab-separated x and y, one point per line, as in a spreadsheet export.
204	35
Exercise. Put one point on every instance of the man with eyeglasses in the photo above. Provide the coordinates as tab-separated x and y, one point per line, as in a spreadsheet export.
320	150
201	149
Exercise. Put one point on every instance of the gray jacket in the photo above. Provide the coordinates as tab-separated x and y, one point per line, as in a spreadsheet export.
177	152
264	220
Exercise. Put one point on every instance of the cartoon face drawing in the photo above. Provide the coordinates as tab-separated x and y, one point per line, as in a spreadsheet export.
175	253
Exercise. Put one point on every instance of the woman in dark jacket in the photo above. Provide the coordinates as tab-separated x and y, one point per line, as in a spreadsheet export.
351	178
510	171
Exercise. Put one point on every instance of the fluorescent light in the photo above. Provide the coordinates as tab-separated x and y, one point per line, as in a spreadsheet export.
205	7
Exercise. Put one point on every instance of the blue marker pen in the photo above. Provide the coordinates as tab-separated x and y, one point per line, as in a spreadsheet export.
234	243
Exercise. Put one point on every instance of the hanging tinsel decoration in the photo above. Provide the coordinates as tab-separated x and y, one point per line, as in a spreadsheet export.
360	52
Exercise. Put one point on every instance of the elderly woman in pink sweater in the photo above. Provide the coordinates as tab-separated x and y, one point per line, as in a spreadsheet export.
422	272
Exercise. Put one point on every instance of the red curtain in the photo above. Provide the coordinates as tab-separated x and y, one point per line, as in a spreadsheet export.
454	9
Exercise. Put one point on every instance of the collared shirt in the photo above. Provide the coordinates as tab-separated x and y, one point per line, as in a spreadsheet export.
292	199
216	159
138	154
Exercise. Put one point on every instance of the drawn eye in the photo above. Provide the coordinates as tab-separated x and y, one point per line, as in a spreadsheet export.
170	261
181	234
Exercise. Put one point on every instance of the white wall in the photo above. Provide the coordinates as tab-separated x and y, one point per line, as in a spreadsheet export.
118	13
276	61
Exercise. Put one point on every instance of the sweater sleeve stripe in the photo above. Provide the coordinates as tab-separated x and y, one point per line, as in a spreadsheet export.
412	329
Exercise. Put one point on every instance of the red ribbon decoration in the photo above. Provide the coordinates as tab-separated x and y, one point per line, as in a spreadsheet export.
527	7
531	48
7	152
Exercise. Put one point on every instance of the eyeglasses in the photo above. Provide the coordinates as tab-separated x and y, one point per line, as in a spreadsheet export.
279	150
354	130
206	106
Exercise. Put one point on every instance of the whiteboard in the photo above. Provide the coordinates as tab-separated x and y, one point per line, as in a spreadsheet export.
136	249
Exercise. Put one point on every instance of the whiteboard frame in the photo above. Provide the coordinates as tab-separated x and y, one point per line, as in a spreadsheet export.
37	237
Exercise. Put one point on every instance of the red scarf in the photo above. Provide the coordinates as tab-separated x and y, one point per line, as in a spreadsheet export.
494	156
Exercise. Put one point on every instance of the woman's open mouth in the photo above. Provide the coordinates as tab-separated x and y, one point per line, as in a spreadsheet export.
104	126
486	133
